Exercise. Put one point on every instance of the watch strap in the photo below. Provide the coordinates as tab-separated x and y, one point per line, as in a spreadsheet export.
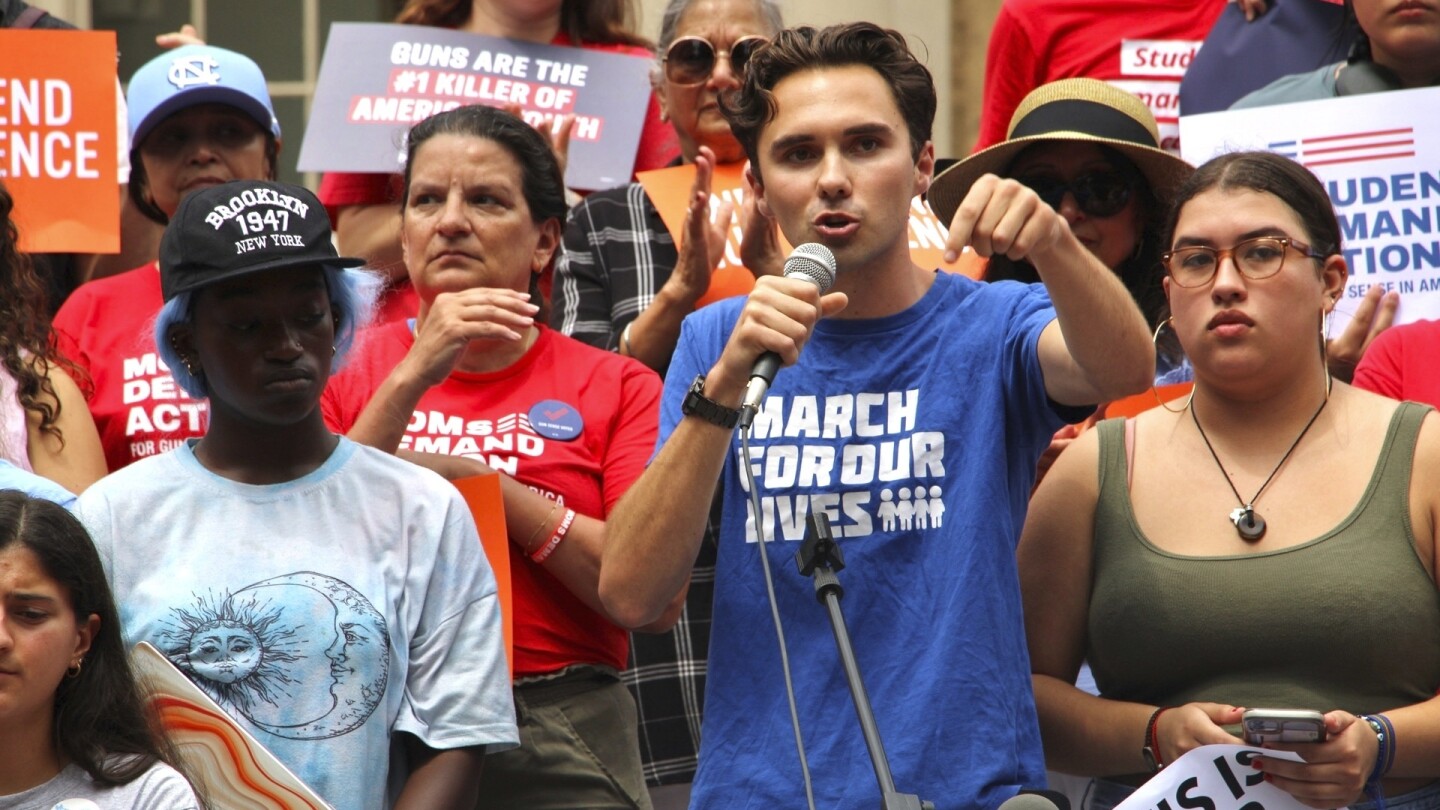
697	404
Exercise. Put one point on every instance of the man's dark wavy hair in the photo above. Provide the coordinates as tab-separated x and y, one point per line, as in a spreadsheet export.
751	107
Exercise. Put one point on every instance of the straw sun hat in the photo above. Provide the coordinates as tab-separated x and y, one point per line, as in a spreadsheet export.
1081	110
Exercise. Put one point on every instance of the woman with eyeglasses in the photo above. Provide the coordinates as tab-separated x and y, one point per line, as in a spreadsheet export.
621	282
1270	543
363	206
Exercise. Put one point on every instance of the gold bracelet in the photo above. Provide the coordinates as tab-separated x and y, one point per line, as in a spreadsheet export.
555	504
625	340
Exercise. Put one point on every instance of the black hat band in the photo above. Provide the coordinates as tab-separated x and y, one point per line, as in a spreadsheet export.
1077	115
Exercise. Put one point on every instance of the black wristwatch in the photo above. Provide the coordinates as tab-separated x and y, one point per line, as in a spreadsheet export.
697	404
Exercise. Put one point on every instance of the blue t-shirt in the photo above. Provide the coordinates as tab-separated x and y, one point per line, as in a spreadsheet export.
323	614
918	435
36	486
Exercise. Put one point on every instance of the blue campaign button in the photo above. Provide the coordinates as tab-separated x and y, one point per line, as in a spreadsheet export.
557	420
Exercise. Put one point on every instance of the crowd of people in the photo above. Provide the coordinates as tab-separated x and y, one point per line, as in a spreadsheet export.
241	451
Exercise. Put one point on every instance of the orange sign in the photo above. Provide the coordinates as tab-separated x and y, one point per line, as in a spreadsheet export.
669	190
58	139
482	495
1139	403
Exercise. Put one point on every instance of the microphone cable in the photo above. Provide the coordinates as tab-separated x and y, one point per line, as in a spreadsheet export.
775	612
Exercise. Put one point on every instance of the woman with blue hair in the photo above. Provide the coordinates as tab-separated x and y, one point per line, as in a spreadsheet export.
332	599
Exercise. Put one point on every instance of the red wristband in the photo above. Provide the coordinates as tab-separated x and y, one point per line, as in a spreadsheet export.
548	547
1152	743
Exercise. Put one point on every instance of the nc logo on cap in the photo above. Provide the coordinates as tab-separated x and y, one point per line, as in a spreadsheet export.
190	71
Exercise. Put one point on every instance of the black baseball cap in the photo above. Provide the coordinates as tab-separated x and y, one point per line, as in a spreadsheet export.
242	227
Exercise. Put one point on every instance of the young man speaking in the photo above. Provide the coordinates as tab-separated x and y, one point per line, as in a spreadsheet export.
912	418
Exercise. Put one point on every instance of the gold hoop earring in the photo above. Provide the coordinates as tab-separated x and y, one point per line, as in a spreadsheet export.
1155	341
1325	351
73	671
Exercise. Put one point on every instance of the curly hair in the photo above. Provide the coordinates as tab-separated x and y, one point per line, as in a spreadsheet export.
600	22
752	107
27	345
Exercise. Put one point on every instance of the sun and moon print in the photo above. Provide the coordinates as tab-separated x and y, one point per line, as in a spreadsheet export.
302	656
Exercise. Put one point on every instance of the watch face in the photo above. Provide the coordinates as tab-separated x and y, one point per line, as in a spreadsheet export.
1150	762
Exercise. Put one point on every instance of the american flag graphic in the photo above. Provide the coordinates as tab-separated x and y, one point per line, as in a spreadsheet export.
1327	150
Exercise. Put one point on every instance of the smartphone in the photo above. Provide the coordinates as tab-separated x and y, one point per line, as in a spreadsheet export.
1283	725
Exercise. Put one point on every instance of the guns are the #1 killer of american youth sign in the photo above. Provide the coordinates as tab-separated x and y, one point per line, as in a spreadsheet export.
377	80
1378	156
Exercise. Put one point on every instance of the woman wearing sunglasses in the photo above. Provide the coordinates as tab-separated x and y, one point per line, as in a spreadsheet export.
620	282
1092	152
1268	544
364	206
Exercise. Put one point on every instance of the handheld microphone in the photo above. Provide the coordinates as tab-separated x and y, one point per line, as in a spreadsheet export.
812	262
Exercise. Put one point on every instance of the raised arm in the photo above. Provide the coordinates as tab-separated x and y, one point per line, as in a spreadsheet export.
651	337
532	519
1099	348
441	338
655	531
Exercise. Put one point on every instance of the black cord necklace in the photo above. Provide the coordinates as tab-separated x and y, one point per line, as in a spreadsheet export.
1247	521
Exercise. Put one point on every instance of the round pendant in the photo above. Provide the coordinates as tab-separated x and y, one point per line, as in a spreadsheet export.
1250	525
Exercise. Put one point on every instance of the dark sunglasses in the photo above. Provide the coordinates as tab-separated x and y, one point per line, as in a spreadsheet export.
1102	194
690	60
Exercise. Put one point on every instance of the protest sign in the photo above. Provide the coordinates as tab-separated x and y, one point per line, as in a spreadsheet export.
1214	777
377	80
1378	156
669	190
487	506
231	766
57	139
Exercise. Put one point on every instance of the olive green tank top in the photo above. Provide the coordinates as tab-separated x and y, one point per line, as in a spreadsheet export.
1349	620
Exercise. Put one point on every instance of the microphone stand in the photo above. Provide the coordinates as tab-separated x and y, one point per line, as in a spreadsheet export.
819	557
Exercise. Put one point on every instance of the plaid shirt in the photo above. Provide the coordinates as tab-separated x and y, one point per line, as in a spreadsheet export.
666	674
616	255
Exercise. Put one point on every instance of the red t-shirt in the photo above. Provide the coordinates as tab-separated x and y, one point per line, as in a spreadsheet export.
1401	363
1142	46
105	328
570	421
397	302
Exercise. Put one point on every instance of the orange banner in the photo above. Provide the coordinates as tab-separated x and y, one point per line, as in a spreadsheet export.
58	140
669	190
482	495
1139	403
